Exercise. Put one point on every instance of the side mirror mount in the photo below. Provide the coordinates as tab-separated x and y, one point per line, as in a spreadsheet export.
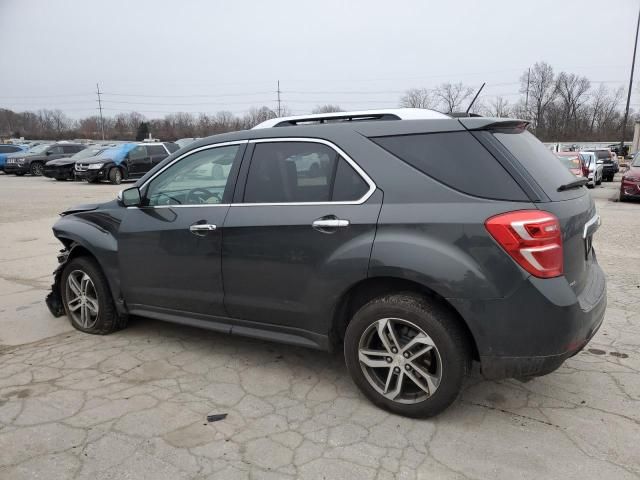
130	197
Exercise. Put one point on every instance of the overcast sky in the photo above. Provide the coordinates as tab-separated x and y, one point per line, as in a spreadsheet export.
165	56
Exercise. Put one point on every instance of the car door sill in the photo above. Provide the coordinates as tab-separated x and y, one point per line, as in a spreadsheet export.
234	326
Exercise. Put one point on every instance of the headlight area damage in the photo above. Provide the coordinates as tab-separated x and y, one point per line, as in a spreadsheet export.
54	299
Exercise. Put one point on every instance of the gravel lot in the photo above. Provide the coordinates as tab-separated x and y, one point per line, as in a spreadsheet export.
134	404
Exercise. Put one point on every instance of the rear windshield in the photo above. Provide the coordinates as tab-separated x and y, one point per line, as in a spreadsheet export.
541	163
458	160
570	162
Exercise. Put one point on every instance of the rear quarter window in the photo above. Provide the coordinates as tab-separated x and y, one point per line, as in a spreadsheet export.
541	164
458	160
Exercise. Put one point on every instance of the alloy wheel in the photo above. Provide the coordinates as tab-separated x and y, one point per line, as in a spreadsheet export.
400	361
82	299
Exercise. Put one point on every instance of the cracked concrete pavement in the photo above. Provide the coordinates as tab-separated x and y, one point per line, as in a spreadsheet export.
134	404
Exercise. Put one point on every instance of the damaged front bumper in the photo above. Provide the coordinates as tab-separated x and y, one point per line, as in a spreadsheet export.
54	299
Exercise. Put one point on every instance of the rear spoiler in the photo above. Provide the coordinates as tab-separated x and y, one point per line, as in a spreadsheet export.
494	124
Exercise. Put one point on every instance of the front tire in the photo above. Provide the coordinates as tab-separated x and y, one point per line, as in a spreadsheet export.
407	355
87	298
36	169
115	176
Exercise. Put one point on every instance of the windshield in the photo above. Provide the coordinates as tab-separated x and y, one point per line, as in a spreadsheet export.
88	152
570	162
39	148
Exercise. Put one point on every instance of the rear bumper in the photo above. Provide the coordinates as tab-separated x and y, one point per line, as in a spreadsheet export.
535	329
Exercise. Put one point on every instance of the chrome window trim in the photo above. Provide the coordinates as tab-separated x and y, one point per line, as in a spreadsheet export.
587	226
186	154
338	150
348	159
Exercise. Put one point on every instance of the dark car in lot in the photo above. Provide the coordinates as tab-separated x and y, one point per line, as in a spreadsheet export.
7	149
127	161
33	160
609	165
418	243
64	168
630	184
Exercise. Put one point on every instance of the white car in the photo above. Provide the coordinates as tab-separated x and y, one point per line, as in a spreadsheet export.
595	168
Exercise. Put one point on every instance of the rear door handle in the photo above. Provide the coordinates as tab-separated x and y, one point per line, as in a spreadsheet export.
202	229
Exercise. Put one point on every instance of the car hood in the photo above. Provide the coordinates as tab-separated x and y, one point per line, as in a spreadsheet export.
60	161
86	207
95	160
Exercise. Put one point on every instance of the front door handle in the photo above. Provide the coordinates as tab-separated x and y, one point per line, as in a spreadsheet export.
329	224
201	228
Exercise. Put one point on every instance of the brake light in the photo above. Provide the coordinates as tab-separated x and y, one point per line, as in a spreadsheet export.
585	170
532	238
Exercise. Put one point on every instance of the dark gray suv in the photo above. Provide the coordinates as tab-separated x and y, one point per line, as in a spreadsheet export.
416	246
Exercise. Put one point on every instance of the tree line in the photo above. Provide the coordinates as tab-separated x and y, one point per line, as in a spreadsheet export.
560	106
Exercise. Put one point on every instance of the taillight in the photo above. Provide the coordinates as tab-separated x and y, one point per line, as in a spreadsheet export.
585	170
532	238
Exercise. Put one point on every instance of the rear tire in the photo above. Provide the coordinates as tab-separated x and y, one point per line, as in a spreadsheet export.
115	176
424	386
87	298
36	169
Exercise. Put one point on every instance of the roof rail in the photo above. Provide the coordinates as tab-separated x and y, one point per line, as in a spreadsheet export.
383	114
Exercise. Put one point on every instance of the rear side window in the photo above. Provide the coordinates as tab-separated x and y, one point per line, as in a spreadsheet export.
300	172
156	150
172	147
539	162
458	160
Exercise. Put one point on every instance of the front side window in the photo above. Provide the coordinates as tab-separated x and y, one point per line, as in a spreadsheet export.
55	150
300	172
138	153
200	178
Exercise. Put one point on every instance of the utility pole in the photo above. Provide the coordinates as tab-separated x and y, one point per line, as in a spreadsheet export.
633	64
279	109
100	107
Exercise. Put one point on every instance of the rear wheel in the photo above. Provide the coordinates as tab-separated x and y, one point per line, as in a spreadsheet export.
407	355
87	299
36	168
115	176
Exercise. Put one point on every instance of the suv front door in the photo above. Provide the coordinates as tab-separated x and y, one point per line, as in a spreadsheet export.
169	248
138	161
299	234
157	153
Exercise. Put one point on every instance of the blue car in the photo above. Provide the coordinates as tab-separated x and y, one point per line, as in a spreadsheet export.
7	149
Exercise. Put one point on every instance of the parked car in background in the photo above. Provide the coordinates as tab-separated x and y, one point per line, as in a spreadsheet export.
64	168
127	161
609	167
573	161
183	142
6	149
420	247
32	161
630	185
592	168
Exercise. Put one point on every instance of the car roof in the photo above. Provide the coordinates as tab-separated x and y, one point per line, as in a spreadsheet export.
360	115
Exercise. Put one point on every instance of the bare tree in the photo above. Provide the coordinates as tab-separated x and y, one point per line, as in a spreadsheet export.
499	107
541	86
419	98
572	92
328	108
452	95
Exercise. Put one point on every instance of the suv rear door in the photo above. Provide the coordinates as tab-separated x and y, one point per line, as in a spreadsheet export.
157	153
138	161
298	234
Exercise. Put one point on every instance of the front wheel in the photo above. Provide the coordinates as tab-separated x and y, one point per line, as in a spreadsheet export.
407	354
36	169
87	299
115	176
